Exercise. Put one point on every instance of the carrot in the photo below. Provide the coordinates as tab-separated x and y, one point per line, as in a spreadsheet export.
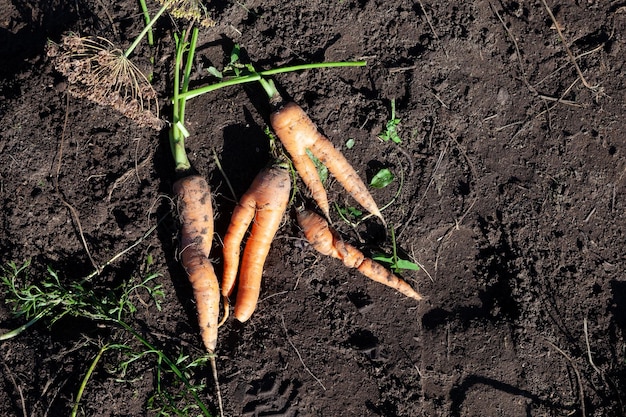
297	132
196	216
328	242
265	202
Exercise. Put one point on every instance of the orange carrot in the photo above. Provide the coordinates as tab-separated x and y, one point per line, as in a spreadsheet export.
265	202
328	242
298	133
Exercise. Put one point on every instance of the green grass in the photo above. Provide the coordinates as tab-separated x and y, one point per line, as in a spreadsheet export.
50	298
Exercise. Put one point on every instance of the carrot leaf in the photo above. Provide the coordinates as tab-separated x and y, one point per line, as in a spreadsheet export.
350	143
322	171
391	128
52	297
382	178
395	263
350	212
215	72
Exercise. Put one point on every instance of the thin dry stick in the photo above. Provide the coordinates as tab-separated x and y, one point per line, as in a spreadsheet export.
128	249
605	378
306	368
593	365
430	182
560	100
544	79
7	371
125	176
136	158
557	26
421	266
475	177
578	378
457	222
56	186
106	12
432	28
219	167
517	50
54	396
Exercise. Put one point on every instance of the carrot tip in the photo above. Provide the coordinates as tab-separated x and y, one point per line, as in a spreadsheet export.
226	312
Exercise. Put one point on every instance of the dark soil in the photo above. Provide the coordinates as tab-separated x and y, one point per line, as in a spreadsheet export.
513	201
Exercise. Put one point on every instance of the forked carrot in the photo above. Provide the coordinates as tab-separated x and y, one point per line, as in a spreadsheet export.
328	242
297	132
265	202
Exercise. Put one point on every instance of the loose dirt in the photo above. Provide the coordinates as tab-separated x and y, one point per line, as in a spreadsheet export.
513	201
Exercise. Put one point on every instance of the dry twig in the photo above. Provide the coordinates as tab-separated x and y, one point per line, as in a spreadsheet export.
596	89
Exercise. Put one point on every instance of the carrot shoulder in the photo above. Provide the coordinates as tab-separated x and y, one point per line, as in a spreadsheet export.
265	202
195	212
297	132
328	242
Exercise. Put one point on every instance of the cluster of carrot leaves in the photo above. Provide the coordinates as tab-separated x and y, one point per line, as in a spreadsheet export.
51	298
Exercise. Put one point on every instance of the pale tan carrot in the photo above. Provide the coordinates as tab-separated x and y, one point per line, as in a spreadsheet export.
297	132
196	217
265	202
328	242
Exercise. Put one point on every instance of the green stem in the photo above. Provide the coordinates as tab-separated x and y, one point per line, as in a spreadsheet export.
393	247
146	17
207	89
187	73
177	136
313	66
258	76
35	319
190	56
270	89
83	384
145	30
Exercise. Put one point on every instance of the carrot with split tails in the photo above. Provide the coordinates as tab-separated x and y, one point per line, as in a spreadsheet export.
297	132
263	205
328	242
